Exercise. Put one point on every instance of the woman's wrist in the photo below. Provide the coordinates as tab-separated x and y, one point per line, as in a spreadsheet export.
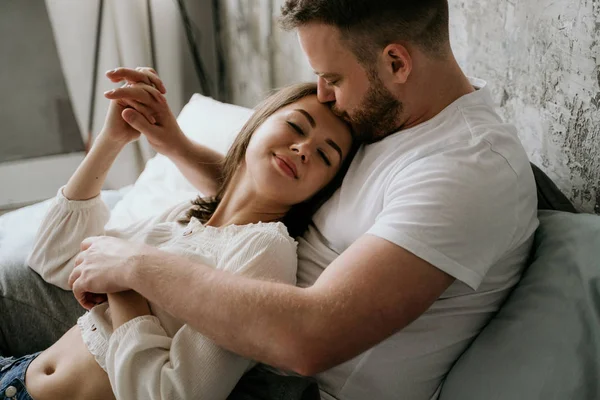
89	177
110	139
176	148
126	306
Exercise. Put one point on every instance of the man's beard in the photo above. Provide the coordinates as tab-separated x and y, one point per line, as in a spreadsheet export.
378	114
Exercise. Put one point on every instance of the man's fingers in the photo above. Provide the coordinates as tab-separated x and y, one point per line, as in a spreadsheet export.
75	274
81	295
79	258
83	299
139	75
87	242
98	298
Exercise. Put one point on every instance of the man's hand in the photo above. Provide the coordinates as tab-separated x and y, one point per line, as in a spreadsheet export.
147	109
104	266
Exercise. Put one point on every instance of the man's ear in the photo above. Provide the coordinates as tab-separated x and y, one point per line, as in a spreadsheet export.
398	62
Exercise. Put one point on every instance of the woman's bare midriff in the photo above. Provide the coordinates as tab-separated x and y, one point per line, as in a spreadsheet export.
67	370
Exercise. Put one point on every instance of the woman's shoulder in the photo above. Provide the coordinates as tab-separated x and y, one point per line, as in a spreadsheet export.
261	250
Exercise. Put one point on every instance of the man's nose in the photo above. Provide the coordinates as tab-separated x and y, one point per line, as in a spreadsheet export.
324	92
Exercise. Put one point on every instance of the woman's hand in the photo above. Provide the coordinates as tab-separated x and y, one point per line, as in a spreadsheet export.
115	126
148	111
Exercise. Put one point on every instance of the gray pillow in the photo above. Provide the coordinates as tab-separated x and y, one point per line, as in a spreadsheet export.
544	343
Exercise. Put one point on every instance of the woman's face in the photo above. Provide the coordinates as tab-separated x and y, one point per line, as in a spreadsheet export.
297	151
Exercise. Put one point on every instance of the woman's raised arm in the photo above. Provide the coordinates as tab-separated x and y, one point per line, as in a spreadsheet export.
149	113
89	177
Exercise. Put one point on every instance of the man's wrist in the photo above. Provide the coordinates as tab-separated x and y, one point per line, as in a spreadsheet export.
137	265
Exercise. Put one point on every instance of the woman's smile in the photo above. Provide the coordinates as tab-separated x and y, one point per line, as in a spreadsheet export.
286	166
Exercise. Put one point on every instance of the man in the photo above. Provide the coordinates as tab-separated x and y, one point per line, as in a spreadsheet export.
405	264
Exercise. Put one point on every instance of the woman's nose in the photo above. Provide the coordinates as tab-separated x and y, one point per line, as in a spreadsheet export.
303	151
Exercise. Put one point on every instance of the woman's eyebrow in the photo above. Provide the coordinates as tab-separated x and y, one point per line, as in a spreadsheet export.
335	147
309	117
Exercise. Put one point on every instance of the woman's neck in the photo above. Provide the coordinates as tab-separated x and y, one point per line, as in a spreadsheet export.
241	206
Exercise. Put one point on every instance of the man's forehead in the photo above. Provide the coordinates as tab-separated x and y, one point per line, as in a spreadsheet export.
322	42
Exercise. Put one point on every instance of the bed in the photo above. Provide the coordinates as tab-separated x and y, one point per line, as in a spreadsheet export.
544	343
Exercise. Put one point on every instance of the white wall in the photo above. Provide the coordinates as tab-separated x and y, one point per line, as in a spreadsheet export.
540	57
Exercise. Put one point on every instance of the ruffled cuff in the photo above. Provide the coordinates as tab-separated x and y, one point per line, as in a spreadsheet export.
95	333
138	327
76	205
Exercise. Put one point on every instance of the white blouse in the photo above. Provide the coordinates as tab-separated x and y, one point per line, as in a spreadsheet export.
158	356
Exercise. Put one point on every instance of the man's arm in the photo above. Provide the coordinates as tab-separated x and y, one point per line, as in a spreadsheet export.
372	290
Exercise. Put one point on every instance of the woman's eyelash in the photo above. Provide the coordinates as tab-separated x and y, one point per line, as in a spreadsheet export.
301	132
324	157
296	128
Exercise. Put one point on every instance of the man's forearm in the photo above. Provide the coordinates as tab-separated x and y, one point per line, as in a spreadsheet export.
277	319
200	165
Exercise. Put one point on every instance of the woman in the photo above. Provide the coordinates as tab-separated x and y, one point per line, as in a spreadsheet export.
285	161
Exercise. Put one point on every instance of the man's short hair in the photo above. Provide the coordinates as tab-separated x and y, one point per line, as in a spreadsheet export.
368	26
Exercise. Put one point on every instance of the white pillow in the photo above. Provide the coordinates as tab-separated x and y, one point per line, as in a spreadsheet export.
161	185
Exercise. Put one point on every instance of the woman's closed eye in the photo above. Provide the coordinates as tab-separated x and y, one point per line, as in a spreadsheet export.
324	157
296	128
299	131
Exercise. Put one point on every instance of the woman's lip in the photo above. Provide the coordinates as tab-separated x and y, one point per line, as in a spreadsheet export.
285	167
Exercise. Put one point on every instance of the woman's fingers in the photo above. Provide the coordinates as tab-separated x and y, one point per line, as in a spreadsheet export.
137	121
147	112
141	93
138	75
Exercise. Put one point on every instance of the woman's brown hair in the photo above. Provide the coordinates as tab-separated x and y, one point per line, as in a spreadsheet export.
299	216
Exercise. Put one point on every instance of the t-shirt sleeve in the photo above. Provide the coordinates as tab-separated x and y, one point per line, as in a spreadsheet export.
457	214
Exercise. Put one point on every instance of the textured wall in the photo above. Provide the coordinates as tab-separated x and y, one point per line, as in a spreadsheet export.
540	57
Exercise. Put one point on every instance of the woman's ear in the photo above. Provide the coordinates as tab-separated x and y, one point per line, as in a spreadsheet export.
398	62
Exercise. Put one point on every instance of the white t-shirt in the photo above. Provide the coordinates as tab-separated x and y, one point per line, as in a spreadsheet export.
458	192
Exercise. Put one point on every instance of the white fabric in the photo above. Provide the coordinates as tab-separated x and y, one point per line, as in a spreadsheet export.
162	185
158	356
458	192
